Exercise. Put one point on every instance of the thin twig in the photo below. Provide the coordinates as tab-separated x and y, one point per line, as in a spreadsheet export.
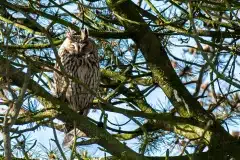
57	142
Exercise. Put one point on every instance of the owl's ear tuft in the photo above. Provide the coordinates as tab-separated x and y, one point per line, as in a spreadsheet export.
69	33
84	33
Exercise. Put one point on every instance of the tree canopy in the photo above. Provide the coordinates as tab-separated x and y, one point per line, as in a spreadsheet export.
182	54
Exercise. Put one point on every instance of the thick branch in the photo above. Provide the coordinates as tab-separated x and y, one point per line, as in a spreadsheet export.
66	114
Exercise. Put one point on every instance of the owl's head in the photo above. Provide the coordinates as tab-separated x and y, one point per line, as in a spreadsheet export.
79	44
77	38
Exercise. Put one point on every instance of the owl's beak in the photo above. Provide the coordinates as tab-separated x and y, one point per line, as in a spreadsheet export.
78	48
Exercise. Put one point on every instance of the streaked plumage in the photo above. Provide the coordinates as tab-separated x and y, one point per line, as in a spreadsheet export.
79	58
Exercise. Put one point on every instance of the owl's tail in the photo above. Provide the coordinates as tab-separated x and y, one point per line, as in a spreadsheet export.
70	137
72	131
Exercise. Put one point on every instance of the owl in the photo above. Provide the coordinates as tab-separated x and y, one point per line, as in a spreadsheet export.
79	58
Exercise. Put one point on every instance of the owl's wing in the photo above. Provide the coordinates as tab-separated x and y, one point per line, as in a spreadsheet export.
58	80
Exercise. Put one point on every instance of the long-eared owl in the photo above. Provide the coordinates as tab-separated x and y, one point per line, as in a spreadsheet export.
79	58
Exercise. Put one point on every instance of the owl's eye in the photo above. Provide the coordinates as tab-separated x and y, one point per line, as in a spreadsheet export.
73	45
84	44
83	41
